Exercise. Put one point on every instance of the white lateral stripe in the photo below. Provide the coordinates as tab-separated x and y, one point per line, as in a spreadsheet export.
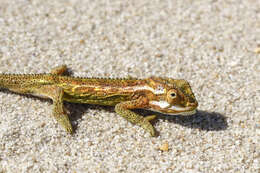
159	90
161	104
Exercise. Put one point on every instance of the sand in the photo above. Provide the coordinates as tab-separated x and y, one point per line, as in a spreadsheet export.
212	44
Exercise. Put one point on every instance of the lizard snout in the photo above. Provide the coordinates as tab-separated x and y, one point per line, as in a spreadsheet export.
192	104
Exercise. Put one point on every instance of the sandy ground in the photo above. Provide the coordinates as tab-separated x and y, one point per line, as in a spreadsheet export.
215	45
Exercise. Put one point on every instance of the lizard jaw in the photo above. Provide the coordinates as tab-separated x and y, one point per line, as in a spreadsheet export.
165	108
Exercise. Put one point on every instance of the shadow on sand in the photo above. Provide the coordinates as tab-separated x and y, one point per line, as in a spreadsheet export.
209	121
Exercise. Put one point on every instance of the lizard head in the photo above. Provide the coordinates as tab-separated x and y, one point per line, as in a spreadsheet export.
171	96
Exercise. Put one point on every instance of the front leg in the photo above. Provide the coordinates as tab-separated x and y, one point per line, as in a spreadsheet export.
123	109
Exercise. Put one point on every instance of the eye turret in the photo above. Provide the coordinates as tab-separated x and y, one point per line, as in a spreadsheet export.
171	96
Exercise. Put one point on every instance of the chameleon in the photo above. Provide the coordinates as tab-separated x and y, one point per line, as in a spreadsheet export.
164	95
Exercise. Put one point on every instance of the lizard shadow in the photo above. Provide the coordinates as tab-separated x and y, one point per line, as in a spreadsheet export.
203	120
78	110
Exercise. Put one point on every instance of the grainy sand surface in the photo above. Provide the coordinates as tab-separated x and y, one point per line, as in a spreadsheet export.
213	44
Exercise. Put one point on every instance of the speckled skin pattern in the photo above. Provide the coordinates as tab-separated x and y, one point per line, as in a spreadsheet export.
164	95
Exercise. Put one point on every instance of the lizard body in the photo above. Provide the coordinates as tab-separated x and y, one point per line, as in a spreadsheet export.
164	95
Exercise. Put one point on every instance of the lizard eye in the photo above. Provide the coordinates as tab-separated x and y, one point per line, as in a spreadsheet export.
172	94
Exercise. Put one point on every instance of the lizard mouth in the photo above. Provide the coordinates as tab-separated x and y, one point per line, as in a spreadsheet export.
165	108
